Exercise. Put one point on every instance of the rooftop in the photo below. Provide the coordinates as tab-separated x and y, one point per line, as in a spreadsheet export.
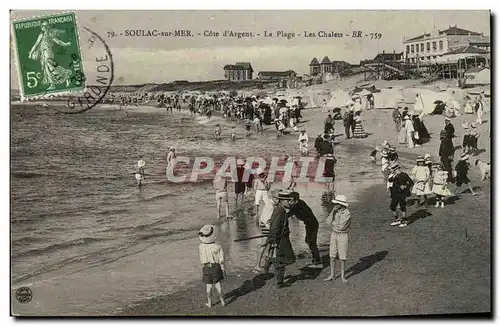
314	62
467	49
452	30
476	69
325	60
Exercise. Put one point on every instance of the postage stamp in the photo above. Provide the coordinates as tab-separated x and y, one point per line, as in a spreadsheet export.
48	55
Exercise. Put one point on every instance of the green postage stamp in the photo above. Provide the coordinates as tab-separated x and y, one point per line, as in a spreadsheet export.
48	55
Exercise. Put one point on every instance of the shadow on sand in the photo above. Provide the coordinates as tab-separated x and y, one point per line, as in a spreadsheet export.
365	262
249	286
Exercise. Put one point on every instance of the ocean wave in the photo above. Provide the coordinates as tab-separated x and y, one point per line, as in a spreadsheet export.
57	246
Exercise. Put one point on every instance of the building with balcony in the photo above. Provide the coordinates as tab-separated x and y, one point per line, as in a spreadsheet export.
427	47
327	66
239	71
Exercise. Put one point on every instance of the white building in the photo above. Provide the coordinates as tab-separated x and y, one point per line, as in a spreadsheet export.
426	47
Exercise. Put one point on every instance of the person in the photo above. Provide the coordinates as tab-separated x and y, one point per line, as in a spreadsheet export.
466	142
328	124
278	240
261	186
384	162
212	259
171	156
303	142
289	180
446	153
421	176
257	123
347	123
440	185
392	155
43	51
474	136
468	106
449	128
233	133
402	129
399	186
409	131
304	213
329	173
479	111
139	175
317	143
239	185
462	168
220	186
340	221
324	107
359	132
248	128
396	117
217	131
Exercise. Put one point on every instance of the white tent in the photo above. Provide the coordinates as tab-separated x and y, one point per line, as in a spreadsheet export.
339	99
388	98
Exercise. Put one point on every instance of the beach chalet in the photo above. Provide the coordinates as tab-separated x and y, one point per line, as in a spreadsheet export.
477	76
327	66
428	46
239	71
276	75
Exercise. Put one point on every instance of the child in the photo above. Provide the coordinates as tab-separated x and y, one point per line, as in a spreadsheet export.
373	155
440	185
384	164
217	131
233	133
474	136
248	126
340	220
212	259
221	198
461	169
399	184
139	175
303	142
421	177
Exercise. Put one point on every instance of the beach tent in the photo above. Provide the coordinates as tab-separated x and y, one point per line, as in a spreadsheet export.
388	98
339	99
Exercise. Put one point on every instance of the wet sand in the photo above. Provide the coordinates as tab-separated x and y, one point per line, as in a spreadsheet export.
430	267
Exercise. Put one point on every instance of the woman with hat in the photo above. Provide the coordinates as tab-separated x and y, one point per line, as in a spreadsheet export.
409	131
399	186
402	128
421	177
171	156
303	142
340	221
139	175
262	187
358	132
397	118
446	153
440	185
212	259
462	168
279	251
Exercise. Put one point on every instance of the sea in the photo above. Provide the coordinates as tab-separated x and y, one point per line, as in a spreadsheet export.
87	240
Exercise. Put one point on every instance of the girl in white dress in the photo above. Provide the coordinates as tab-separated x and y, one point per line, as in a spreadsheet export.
440	185
421	177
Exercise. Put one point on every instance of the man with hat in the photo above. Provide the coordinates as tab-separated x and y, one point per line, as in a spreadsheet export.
278	239
340	221
304	213
392	155
449	128
399	186
446	153
348	120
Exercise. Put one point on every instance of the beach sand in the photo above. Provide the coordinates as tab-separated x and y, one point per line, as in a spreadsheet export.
430	267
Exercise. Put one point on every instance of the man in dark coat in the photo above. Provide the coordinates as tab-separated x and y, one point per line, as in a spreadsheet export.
326	146
450	130
304	213
347	123
317	143
400	187
328	124
278	238
446	153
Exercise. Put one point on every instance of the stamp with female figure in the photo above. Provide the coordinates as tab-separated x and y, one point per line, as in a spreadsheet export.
48	55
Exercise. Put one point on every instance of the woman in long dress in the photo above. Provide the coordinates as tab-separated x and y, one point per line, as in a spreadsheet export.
409	132
42	50
479	111
359	132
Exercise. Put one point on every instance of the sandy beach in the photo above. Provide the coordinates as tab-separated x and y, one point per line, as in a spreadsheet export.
431	267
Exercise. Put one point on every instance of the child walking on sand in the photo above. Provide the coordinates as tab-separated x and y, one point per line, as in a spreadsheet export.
212	259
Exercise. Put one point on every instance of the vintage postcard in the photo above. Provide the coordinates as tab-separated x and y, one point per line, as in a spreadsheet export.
250	163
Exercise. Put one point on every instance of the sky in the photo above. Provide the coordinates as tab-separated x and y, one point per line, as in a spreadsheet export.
141	60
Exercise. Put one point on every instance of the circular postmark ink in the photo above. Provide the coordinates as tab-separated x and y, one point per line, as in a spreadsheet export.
96	87
24	294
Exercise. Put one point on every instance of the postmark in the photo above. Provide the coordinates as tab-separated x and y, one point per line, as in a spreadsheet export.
48	54
24	294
